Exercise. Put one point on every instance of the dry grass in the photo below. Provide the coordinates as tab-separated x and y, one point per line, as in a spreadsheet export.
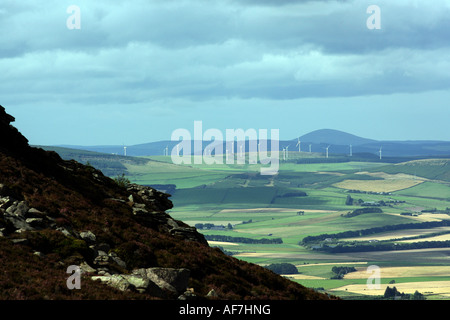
425	287
389	185
302	277
402	272
443	237
222	243
390	182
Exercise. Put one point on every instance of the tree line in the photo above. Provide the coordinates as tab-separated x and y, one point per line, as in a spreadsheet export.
216	237
383	246
393	293
357	212
369	231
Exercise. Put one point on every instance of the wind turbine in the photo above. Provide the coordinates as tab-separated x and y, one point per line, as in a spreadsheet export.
166	151
351	151
284	153
380	152
287	152
125	151
299	144
327	150
310	148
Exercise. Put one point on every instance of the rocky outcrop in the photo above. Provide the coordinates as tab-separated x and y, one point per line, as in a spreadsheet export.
158	282
10	138
18	217
149	206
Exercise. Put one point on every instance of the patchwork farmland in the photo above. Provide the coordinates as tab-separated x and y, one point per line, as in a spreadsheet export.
307	200
317	216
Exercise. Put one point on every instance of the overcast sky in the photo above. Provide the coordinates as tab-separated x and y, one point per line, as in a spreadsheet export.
137	70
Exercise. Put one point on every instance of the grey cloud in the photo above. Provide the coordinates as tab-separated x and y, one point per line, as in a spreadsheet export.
204	50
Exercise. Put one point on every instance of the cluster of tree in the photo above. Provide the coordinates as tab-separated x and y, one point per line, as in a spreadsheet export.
293	194
207	226
216	237
368	192
349	201
357	212
283	268
373	204
394	201
393	293
340	272
365	232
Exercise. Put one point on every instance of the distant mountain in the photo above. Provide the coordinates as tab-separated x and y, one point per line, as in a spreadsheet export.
334	137
338	141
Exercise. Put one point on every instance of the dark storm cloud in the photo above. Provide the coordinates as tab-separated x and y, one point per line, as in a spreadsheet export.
143	50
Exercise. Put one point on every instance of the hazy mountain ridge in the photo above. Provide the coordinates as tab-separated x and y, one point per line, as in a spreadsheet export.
338	141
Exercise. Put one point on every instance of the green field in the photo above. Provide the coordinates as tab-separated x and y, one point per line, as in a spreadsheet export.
303	200
300	201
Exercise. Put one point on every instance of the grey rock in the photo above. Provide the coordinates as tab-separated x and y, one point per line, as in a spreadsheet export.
170	279
117	260
188	295
20	241
88	236
212	293
172	223
35	213
84	267
19	209
115	281
139	211
35	222
66	232
131	198
102	259
6	202
19	223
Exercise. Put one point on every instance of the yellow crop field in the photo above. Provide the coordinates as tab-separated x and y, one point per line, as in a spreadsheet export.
442	237
424	287
390	182
302	277
389	185
401	272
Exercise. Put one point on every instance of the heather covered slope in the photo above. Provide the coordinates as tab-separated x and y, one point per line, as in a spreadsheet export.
56	213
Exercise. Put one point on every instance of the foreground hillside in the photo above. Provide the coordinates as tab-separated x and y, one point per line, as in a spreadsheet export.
56	213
